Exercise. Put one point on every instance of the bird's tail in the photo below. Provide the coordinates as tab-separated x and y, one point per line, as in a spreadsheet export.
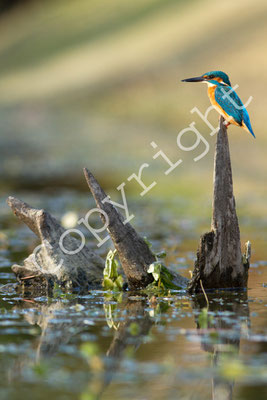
246	123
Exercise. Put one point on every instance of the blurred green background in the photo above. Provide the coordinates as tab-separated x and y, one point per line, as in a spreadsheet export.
93	82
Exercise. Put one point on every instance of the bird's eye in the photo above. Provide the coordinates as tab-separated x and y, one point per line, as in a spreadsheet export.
211	76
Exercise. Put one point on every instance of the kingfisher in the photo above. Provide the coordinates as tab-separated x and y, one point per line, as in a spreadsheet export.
224	99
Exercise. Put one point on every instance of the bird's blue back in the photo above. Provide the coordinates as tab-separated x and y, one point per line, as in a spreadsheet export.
227	98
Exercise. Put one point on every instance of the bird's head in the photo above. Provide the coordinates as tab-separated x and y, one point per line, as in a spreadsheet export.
218	76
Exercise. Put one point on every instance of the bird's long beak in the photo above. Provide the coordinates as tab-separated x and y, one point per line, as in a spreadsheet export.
197	79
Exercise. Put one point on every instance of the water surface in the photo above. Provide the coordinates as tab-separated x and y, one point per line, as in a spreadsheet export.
118	346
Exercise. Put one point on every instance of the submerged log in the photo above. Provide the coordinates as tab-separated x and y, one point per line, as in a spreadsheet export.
219	262
134	253
51	262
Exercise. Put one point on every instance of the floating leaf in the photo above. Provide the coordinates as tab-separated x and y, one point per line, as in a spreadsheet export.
89	349
40	369
233	369
134	329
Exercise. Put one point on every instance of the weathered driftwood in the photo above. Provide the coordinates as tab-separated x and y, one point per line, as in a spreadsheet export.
50	263
134	253
219	262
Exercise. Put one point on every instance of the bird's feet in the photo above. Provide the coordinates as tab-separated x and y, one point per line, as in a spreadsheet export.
226	123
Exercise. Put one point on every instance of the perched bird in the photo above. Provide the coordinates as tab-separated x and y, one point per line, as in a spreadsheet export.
224	99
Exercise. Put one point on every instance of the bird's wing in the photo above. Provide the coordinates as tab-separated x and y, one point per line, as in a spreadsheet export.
227	98
247	122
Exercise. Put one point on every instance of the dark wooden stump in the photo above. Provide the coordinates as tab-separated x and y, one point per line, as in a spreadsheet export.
134	253
219	262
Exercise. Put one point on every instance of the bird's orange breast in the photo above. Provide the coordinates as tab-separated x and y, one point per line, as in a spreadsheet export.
211	94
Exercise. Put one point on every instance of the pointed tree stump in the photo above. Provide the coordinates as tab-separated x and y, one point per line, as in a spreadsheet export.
219	262
134	253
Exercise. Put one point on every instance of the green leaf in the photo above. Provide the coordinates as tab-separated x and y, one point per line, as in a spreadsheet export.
111	265
234	369
161	254
155	270
134	329
89	349
147	242
119	282
40	369
204	319
112	280
108	284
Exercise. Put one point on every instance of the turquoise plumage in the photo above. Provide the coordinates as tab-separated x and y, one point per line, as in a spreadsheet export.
225	99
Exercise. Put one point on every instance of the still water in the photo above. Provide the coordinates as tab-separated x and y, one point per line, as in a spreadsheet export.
107	345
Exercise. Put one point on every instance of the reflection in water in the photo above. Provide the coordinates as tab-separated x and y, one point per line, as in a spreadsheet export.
54	331
59	322
227	317
131	332
130	317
